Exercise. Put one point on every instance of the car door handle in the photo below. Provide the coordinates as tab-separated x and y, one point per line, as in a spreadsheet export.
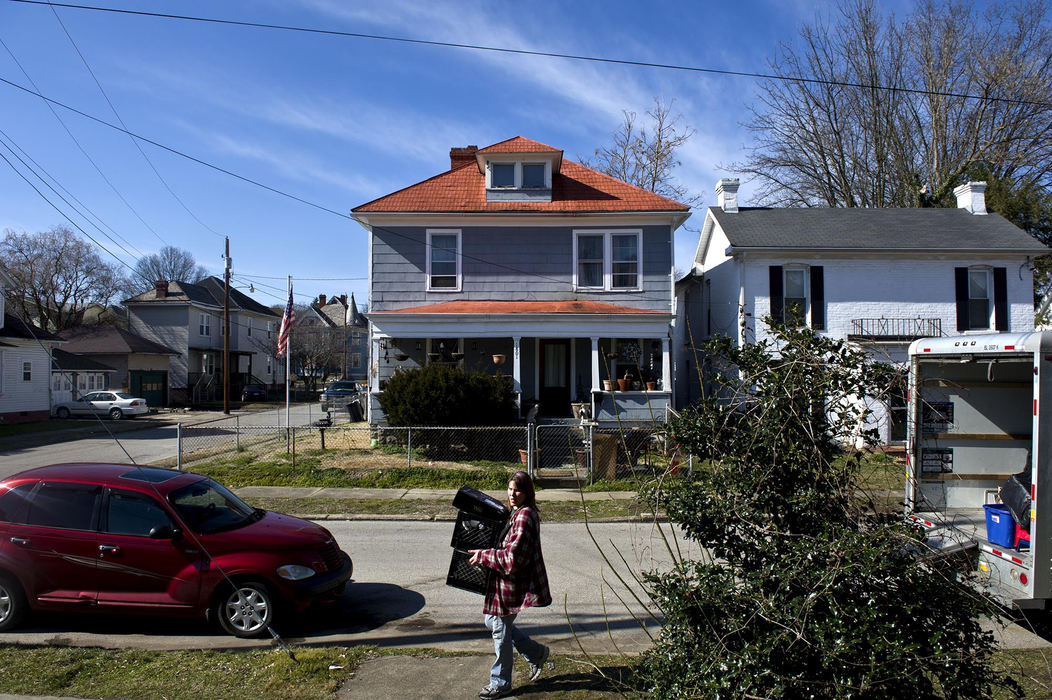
20	541
109	549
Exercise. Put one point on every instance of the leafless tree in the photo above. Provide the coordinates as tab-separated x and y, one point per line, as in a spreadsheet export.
645	158
876	111
57	276
169	264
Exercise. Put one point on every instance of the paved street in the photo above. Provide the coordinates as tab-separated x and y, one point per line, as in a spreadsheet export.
399	598
144	445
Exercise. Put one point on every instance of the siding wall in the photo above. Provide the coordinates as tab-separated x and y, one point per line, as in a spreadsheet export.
168	326
534	263
18	396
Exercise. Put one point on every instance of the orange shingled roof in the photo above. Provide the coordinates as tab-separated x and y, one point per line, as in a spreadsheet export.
519	144
519	307
575	189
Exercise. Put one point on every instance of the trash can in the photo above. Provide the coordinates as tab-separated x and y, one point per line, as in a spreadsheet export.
354	411
479	525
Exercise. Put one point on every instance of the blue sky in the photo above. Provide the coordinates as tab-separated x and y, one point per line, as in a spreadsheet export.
340	121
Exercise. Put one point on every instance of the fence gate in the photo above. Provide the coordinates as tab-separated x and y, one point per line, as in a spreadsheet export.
563	450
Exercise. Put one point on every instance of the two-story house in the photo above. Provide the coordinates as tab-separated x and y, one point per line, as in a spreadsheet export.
25	365
188	318
516	260
877	277
348	330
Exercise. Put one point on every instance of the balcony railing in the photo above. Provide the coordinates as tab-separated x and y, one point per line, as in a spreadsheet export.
894	329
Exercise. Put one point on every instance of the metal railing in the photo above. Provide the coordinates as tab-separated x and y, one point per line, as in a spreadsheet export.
894	329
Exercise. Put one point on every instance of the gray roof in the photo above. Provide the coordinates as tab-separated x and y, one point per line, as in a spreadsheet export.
68	362
110	340
15	327
874	229
207	292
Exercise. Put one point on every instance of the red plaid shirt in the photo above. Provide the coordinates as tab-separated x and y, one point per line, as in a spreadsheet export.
521	580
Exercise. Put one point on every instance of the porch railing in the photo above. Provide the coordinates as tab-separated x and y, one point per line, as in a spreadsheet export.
894	329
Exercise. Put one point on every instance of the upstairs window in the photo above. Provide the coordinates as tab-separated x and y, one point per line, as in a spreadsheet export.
502	175
248	327
443	261
798	296
204	327
982	298
607	260
27	371
795	298
979	299
533	175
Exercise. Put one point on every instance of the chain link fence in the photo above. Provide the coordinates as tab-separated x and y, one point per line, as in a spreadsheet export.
578	452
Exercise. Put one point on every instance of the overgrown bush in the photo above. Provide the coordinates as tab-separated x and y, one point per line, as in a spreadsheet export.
800	592
443	395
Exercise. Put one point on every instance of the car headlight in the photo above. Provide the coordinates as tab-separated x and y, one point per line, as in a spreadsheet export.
295	572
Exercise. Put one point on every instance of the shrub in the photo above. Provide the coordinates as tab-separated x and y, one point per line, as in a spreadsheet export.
443	395
798	593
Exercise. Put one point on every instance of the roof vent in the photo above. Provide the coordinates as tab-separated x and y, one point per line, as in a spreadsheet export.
972	197
727	194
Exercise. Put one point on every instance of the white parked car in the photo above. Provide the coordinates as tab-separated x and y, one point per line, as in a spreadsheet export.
115	404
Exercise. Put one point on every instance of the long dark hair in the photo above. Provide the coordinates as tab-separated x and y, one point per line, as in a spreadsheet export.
524	483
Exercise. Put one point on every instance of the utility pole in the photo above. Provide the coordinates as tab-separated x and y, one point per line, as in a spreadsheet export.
226	328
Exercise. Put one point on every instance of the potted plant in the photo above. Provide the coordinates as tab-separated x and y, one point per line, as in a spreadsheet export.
608	384
433	356
401	356
650	380
624	382
498	359
457	355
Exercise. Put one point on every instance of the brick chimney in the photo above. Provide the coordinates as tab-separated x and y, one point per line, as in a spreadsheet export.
321	300
727	195
160	289
459	157
343	299
971	196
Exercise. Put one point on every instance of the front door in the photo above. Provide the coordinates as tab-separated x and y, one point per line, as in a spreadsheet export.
555	378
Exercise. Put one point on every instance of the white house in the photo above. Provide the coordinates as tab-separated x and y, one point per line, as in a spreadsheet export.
25	365
877	277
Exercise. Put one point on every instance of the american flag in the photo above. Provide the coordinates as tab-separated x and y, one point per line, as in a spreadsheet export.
287	319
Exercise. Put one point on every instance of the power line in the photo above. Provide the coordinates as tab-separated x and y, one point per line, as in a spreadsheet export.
113	108
543	54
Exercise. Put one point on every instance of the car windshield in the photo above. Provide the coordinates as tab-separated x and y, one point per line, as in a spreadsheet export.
207	507
343	386
253	387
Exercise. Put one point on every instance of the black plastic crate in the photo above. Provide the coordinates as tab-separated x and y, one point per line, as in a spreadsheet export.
480	504
474	532
465	576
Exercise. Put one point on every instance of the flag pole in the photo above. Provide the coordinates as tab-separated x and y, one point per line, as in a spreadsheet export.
288	366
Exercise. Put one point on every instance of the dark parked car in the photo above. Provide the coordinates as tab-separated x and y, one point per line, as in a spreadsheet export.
123	538
254	392
338	394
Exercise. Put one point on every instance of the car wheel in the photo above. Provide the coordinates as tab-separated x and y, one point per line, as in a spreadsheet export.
62	412
116	413
13	604
247	610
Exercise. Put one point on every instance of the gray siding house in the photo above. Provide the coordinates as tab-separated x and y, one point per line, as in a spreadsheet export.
188	319
518	261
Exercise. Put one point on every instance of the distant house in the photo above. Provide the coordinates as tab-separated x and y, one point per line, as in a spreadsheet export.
876	277
349	331
74	375
188	319
516	260
25	365
138	366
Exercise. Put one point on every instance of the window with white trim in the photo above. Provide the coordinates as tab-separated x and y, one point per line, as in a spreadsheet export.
980	298
27	371
270	329
248	327
443	260
533	176
795	299
502	175
518	175
205	325
607	260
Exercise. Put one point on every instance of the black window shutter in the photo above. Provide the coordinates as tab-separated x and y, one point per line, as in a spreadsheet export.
1001	298
960	278
777	304
818	299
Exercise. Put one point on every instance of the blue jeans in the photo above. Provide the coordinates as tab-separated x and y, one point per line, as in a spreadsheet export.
506	637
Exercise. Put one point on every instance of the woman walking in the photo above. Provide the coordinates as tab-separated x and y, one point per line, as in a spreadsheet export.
520	581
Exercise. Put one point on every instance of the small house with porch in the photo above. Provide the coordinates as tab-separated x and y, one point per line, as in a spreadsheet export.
518	261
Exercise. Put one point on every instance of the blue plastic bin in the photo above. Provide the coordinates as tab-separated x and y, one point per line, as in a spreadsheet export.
1000	526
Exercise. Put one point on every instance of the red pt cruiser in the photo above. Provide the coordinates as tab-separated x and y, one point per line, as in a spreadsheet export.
129	539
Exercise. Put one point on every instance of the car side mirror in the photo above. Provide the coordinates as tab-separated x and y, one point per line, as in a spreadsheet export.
164	532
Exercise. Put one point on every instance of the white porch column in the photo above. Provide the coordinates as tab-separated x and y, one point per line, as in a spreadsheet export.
516	365
374	365
666	367
595	363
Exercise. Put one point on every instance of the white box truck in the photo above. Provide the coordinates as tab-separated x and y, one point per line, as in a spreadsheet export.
980	410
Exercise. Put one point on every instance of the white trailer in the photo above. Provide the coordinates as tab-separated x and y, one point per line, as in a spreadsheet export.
977	413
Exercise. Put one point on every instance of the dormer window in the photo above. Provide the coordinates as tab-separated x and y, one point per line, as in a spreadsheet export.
502	175
518	180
